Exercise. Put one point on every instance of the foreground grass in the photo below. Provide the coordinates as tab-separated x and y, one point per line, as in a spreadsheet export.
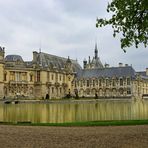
89	123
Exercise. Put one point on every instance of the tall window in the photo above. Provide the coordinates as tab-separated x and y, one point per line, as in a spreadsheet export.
100	82
60	77
48	76
128	81
64	78
18	76
78	83
52	76
107	82
31	77
75	83
113	82
60	90
56	77
96	81
121	82
5	76
12	77
38	76
52	90
81	83
93	83
87	83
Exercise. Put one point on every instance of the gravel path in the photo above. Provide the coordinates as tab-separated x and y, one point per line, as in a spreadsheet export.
74	137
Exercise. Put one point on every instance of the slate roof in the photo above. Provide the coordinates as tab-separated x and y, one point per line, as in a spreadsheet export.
13	58
142	74
48	60
107	72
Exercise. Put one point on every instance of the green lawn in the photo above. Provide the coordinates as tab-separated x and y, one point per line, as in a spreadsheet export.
89	123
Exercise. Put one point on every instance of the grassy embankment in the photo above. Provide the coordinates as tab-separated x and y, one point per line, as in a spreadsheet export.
88	123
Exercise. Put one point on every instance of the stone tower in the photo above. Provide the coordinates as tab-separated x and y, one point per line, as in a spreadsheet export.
2	55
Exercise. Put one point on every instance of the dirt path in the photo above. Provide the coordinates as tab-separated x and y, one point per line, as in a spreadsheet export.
74	137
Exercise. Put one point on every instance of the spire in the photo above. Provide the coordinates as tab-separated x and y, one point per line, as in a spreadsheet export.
96	46
96	51
89	59
40	50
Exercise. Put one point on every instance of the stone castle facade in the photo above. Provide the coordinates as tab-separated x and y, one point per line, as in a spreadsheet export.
59	77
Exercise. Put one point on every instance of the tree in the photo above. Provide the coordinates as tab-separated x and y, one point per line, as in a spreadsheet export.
130	17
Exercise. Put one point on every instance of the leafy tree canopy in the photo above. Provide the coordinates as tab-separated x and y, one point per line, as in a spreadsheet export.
130	17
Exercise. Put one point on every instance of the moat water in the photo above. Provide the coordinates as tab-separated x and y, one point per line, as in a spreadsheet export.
74	112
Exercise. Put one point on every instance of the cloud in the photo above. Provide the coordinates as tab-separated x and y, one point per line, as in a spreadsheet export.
64	28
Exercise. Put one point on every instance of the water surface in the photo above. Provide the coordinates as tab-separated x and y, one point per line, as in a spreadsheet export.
74	112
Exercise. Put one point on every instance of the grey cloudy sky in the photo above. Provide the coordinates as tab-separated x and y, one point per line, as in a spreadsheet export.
63	28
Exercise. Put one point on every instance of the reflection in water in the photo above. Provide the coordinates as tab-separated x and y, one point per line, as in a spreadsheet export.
59	113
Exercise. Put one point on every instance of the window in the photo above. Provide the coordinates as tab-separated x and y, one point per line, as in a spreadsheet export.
60	77
78	84
52	76
75	83
60	90
63	78
128	91
12	76
38	76
23	76
87	83
31	77
52	90
18	76
48	76
56	77
96	81
113	82
107	82
100	82
81	83
5	76
128	81
93	83
121	82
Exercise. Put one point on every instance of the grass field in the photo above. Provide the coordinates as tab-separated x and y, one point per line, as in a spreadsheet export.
88	123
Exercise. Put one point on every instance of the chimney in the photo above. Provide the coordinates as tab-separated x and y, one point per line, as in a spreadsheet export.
120	64
126	65
35	56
